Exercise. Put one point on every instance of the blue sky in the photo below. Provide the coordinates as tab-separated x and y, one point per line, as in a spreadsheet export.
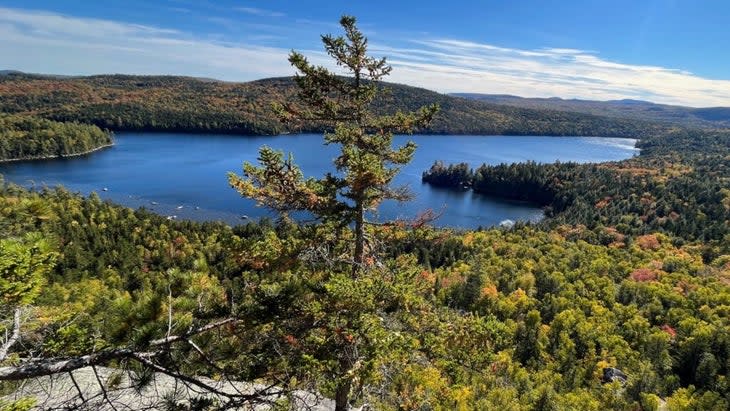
667	51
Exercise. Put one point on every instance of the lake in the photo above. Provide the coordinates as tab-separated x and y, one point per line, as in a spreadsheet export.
185	175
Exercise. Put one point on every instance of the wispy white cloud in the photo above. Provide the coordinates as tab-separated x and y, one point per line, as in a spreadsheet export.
38	41
42	22
449	65
52	43
259	12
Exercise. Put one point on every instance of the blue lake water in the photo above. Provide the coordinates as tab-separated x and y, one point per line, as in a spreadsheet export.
185	175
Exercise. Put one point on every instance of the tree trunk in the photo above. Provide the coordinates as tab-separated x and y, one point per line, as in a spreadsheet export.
359	256
342	393
342	396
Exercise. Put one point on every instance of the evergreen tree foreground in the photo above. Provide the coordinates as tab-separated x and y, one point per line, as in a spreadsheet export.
367	162
365	168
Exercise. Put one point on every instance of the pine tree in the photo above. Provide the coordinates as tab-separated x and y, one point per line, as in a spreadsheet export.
367	162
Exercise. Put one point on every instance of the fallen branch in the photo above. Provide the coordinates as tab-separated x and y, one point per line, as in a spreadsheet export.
257	396
50	366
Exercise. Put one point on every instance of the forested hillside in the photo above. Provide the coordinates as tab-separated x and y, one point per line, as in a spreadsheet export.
168	103
526	318
711	117
30	137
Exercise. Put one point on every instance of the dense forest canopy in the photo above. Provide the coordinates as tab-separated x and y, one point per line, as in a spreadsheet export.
169	103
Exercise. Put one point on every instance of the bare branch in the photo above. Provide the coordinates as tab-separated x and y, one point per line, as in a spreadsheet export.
255	397
78	389
183	337
169	311
14	336
102	387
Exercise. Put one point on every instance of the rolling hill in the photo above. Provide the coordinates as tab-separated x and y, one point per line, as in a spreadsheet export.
184	104
711	117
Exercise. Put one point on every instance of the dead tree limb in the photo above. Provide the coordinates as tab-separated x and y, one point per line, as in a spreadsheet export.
14	336
49	366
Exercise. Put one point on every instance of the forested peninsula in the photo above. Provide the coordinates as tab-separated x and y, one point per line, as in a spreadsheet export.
678	185
184	104
24	137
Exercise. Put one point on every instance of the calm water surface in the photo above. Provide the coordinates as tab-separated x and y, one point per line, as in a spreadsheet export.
185	175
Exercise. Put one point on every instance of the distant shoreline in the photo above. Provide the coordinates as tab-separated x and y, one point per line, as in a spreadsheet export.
320	133
13	160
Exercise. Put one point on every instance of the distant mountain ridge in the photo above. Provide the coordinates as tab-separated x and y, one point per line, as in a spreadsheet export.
625	108
186	104
18	73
